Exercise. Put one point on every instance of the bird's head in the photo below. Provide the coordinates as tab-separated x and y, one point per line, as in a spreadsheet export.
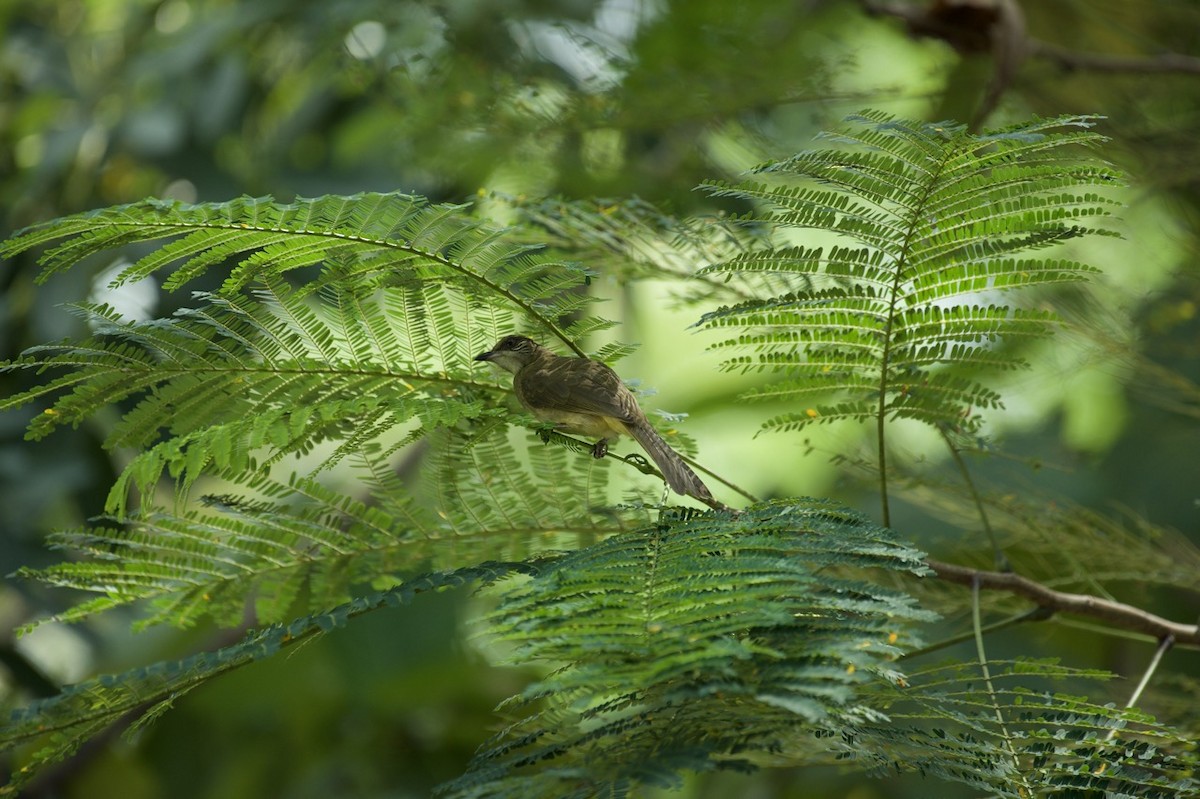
511	353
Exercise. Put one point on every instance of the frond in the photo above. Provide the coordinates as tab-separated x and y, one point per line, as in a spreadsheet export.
543	496
1027	738
1074	548
702	642
385	239
235	382
306	541
358	364
631	239
222	561
936	227
673	641
375	349
58	726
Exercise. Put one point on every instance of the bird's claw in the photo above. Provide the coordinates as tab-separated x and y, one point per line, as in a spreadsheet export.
637	460
600	448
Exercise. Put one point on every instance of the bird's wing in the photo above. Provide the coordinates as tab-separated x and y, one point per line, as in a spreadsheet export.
577	385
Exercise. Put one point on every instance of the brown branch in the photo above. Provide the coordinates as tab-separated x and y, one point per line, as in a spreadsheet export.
974	26
1116	613
1071	60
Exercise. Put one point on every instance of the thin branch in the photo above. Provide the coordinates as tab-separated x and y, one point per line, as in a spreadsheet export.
997	553
1118	614
981	654
1033	614
640	463
1164	646
1071	60
710	473
957	31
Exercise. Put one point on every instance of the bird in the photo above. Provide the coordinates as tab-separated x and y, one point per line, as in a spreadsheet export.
587	398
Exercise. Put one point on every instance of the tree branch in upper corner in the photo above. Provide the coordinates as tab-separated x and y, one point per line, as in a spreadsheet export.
1116	613
979	25
1102	62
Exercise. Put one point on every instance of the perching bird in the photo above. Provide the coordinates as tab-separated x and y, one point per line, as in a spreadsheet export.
587	398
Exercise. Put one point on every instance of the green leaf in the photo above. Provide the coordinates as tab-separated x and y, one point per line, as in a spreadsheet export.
937	226
58	726
698	643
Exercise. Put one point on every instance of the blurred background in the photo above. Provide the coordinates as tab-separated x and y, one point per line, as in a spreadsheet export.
105	102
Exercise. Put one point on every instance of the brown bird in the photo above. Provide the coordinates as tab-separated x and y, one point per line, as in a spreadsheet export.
587	398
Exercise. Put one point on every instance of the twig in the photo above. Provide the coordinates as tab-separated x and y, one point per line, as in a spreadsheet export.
1163	647
1071	60
1118	614
1033	614
1001	559
548	434
981	654
719	478
934	23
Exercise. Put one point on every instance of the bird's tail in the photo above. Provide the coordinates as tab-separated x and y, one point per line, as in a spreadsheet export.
679	475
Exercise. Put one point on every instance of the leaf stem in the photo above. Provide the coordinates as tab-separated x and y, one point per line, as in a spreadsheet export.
1001	559
895	289
728	484
1033	614
1164	646
977	628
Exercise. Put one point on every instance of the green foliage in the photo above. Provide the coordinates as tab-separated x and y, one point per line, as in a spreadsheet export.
705	641
636	241
381	336
371	240
341	333
210	562
1025	738
302	548
934	228
60	725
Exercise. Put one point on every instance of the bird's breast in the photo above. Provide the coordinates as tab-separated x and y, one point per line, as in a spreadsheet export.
581	424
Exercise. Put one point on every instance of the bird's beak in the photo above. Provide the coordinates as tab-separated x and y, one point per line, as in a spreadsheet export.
484	356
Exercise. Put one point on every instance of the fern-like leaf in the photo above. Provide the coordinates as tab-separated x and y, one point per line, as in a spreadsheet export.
372	238
301	547
211	562
943	724
702	642
633	240
58	726
382	335
938	224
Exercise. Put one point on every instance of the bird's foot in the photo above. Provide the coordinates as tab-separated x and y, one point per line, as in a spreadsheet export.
637	460
600	448
544	434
